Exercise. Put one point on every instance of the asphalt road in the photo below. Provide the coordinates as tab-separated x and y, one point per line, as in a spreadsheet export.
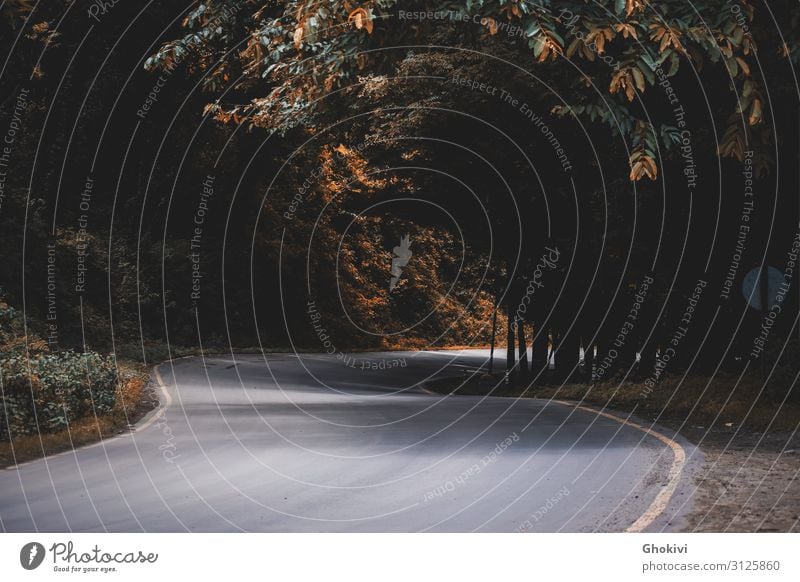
312	443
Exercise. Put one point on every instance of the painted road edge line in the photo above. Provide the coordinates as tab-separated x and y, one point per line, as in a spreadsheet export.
664	496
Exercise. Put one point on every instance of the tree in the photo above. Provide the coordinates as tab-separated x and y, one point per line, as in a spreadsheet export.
283	58
347	72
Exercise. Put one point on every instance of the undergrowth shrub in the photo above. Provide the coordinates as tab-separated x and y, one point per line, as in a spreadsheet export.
46	392
43	392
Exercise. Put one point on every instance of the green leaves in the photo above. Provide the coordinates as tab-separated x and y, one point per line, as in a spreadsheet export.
305	49
670	135
44	393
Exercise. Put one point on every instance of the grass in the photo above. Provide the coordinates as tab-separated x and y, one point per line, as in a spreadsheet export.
694	401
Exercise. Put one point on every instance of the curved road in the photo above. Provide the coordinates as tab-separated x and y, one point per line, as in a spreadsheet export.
314	443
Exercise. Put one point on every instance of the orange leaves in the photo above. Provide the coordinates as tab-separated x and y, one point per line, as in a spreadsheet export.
642	165
632	6
491	24
346	169
627	80
592	43
298	35
232	115
512	9
755	112
361	18
745	68
546	48
598	38
748	45
751	99
310	22
252	54
642	158
627	30
666	37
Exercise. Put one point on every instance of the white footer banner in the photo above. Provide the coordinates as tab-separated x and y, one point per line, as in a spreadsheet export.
400	557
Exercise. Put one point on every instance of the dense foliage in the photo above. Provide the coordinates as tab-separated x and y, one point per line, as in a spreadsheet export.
288	57
43	392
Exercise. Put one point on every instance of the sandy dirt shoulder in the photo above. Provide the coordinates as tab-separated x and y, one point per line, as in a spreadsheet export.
748	481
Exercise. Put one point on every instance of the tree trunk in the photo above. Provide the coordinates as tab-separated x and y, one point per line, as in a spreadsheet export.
648	362
510	358
588	360
539	356
567	356
494	335
523	352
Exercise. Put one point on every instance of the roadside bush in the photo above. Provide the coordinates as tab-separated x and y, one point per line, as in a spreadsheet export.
46	392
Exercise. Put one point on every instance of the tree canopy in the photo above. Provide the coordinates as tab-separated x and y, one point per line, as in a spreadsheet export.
274	65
